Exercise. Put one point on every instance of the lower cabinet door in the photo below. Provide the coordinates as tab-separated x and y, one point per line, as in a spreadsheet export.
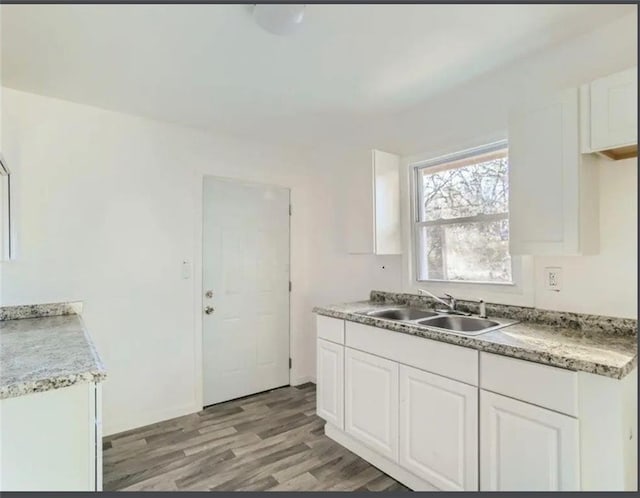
371	401
526	448
439	429
330	382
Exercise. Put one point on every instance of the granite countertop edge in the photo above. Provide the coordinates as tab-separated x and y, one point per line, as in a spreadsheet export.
94	372
50	383
477	342
40	310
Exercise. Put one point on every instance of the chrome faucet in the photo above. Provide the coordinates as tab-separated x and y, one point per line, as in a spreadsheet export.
451	305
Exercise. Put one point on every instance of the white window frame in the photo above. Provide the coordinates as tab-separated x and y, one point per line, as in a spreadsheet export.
417	195
519	292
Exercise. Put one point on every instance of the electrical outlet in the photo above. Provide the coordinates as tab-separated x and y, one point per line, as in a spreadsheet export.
553	278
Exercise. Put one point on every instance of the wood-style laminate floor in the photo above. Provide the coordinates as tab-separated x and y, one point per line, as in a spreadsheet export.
269	441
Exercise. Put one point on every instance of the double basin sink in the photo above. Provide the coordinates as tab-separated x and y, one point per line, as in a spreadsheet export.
459	324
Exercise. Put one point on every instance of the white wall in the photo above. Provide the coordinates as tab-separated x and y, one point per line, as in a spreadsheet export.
477	110
333	198
606	283
106	209
476	113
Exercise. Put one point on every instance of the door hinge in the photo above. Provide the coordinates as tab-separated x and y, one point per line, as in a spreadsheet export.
290	362
289	209
290	285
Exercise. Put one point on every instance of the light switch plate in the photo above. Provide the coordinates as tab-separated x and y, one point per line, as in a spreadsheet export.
186	270
553	278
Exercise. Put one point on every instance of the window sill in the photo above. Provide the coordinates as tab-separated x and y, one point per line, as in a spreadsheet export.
518	293
465	282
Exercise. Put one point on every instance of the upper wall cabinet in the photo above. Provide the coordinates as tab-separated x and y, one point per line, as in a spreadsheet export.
609	115
553	188
5	212
373	212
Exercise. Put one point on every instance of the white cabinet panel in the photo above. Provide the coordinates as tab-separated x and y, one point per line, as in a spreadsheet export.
526	448
439	429
609	457
48	441
373	212
530	382
371	401
386	196
330	383
330	329
358	204
614	110
98	436
5	212
553	196
438	357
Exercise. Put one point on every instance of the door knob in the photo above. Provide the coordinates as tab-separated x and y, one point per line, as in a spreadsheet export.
208	294
208	310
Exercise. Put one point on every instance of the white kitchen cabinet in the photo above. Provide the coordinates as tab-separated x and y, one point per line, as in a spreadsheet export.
609	457
609	115
439	429
529	382
330	382
52	440
373	212
330	329
5	211
526	448
411	414
553	188
371	401
447	360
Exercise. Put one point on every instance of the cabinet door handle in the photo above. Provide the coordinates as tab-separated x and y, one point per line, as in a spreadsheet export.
209	309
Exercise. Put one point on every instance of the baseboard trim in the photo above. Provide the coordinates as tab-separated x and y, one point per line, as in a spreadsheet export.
122	425
302	380
385	465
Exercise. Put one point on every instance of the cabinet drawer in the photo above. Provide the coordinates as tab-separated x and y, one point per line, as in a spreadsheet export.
542	385
330	329
447	360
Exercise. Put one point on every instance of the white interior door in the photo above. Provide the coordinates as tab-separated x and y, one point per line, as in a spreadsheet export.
246	270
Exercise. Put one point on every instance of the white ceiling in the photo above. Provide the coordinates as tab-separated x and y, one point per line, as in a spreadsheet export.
211	66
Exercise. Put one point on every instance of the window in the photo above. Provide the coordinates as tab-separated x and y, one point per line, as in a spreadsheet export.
462	217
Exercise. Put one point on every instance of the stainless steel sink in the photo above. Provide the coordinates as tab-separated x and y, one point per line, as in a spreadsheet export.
441	320
463	324
402	314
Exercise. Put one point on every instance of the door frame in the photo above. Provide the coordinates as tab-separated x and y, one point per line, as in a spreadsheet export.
198	281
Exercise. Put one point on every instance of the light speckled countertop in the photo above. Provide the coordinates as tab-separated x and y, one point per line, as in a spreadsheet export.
47	352
609	355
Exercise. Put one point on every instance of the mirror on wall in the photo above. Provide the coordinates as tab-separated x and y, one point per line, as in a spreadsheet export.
5	211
